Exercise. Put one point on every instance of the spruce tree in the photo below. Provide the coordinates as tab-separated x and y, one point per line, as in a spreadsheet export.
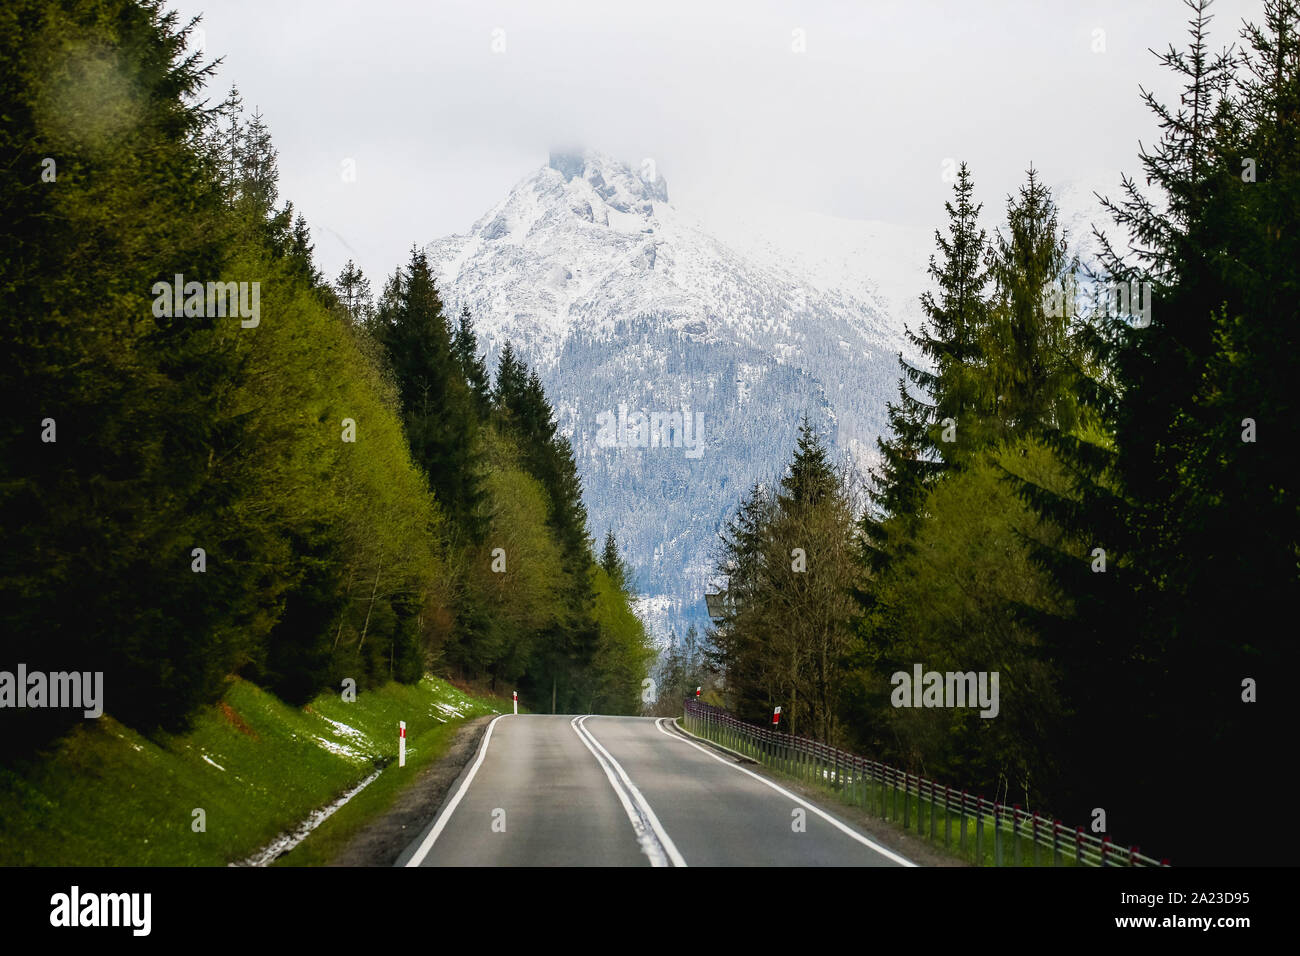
353	290
1029	378
917	449
953	335
473	368
613	563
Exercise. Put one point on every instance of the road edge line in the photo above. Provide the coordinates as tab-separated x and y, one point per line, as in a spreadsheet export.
844	827
440	822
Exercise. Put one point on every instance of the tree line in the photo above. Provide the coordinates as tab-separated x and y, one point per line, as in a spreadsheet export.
1096	503
335	490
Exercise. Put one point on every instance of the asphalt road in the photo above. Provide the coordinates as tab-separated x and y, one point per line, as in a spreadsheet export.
625	791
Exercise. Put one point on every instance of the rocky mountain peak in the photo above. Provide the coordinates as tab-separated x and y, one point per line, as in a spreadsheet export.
623	187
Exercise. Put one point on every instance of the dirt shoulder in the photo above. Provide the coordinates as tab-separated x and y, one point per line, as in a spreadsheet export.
382	841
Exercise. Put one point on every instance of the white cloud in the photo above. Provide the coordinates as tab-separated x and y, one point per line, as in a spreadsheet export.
858	126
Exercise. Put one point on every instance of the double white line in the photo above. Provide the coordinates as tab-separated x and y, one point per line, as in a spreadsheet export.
650	834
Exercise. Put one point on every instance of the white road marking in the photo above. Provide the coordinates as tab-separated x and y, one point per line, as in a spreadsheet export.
663	842
889	854
644	838
418	857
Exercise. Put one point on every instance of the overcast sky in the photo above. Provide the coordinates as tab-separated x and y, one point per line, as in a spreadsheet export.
443	106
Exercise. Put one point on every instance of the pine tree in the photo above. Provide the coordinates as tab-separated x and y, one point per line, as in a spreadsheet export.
809	478
353	290
613	563
259	167
1029	378
930	433
92	573
952	337
738	638
512	379
472	366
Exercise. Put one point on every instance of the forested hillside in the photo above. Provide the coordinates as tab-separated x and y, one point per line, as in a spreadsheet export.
285	478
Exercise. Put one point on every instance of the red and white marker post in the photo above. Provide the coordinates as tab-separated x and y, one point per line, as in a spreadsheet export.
401	743
697	693
516	696
776	717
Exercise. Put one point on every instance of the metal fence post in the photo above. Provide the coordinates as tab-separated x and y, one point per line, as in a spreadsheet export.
961	839
932	811
1015	832
979	831
997	833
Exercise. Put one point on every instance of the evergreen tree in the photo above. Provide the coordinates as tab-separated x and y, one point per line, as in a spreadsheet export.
928	434
112	412
512	378
258	171
809	478
353	290
952	337
472	366
1199	526
612	562
1028	382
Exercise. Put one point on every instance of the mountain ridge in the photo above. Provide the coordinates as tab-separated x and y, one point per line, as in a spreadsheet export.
619	299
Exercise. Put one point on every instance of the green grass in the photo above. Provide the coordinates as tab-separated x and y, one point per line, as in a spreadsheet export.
107	796
422	749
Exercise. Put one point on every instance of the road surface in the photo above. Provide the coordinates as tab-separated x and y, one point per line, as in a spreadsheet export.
625	791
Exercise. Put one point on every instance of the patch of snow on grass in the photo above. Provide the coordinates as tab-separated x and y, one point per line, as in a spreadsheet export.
340	749
343	730
213	762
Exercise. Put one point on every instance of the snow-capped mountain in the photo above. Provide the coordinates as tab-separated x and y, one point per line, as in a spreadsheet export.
679	367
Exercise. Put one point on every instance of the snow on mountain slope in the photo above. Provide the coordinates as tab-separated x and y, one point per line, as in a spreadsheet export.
626	304
618	298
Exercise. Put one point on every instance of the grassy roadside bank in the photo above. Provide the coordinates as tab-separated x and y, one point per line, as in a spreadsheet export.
254	766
